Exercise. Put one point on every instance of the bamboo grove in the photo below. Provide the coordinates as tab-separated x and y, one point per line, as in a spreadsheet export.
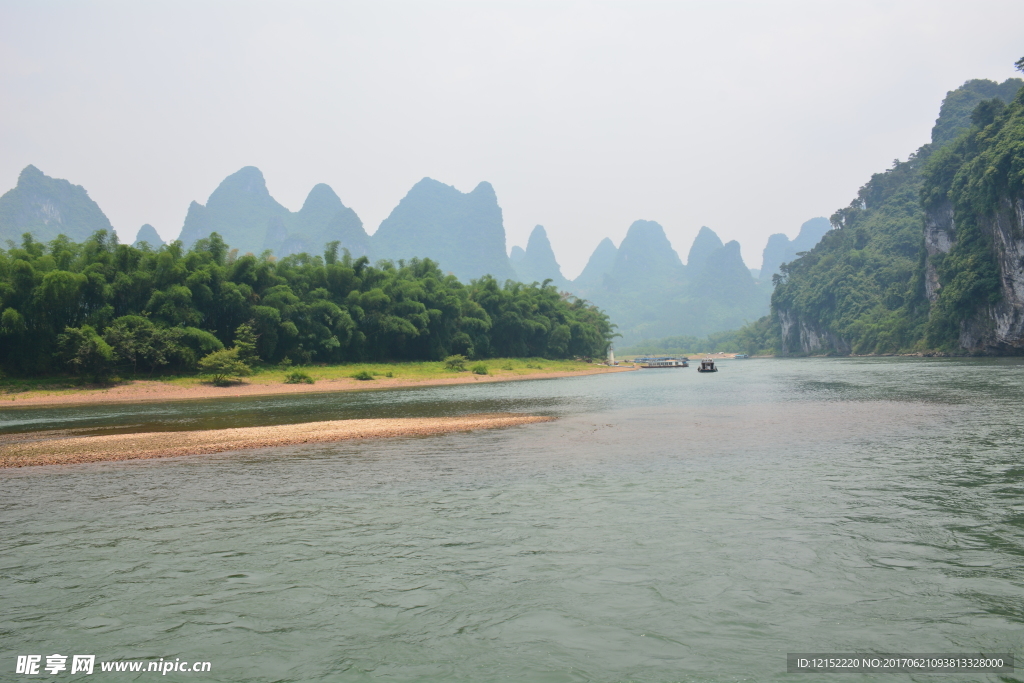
162	310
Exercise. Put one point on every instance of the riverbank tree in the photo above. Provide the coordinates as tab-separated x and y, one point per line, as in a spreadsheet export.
165	309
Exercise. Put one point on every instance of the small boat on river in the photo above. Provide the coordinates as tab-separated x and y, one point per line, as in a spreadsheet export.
707	365
663	362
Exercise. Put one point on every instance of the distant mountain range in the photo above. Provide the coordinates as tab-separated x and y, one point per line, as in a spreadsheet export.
650	294
642	283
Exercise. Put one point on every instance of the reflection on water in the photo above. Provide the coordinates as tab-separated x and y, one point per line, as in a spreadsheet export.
669	526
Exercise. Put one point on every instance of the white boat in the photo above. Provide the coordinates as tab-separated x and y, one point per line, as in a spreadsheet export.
663	362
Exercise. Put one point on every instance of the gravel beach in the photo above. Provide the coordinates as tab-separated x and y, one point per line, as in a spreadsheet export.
59	448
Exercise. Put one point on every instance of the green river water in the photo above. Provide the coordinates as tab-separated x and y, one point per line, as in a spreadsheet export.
669	526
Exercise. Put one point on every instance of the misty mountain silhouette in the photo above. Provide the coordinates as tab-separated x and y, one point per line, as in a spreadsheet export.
781	250
463	232
148	234
537	263
46	207
242	211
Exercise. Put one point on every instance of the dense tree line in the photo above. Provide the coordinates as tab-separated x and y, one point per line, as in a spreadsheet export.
67	305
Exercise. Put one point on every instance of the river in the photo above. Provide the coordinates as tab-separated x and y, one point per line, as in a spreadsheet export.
669	526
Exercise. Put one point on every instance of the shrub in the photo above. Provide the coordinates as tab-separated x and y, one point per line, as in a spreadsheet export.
480	369
362	375
507	366
389	374
187	345
456	363
298	377
223	365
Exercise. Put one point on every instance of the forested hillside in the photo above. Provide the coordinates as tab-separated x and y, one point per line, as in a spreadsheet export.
149	310
973	196
864	288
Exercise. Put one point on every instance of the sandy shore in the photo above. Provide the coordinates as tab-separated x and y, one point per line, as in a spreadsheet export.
55	448
139	391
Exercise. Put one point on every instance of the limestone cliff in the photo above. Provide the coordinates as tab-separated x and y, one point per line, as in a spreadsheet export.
939	235
973	198
804	336
996	327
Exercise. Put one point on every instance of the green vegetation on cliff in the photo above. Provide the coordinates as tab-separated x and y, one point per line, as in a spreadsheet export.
862	282
983	168
862	288
100	304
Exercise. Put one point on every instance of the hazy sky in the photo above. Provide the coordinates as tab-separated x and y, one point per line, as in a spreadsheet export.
747	117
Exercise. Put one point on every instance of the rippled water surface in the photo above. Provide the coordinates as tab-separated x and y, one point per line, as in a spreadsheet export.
670	526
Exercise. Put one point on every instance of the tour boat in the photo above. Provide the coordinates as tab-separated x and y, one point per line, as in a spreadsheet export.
707	365
662	362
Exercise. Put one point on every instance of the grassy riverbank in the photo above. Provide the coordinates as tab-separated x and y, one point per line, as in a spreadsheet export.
272	380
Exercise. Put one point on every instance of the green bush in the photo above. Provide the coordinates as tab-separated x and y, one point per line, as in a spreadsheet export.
362	375
223	365
480	369
456	363
389	374
298	377
507	366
